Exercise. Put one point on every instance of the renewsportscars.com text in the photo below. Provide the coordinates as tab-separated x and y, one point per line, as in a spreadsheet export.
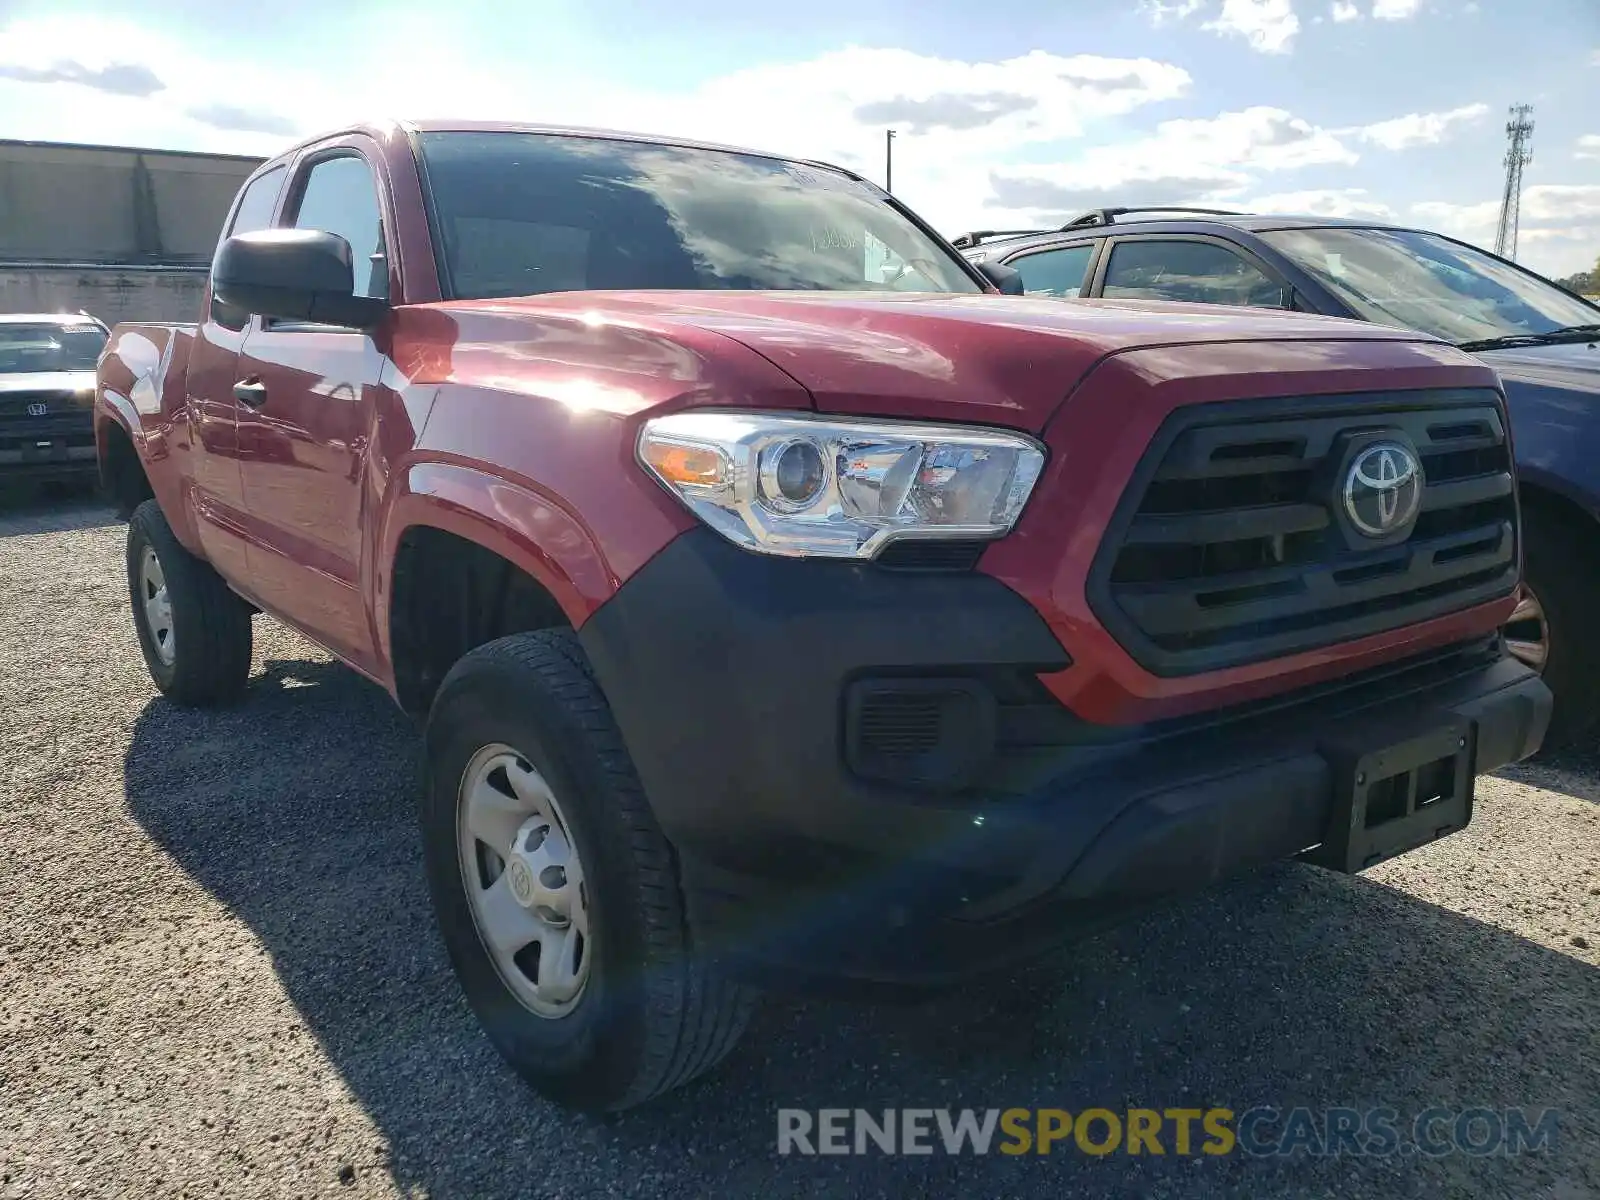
1261	1131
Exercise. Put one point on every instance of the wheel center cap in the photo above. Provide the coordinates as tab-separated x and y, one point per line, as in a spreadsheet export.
521	881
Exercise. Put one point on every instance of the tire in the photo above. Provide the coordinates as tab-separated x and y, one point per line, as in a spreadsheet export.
652	1013
1560	568
209	630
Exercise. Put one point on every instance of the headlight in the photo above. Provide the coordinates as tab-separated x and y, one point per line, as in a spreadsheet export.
839	488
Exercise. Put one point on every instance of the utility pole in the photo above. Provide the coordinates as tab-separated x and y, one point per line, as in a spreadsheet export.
1519	153
888	160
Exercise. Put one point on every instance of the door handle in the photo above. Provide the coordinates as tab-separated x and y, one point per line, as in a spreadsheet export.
252	393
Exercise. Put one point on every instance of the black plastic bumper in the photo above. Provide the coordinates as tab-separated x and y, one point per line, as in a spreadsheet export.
736	681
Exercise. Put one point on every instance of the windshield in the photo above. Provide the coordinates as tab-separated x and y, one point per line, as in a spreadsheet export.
1425	282
28	348
522	213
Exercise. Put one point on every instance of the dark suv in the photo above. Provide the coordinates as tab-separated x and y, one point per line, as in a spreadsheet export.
1543	340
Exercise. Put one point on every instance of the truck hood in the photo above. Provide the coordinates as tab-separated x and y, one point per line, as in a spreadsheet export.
47	381
995	359
1573	367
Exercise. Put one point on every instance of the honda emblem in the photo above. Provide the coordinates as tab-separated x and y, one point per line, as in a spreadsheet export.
38	410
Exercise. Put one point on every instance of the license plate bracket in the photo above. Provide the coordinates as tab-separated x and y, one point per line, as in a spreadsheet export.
1404	794
44	449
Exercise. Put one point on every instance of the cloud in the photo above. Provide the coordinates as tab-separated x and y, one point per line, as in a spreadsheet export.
842	100
1324	202
1268	25
245	120
1183	161
1588	146
1420	129
1548	204
1545	206
1160	12
944	111
1345	10
126	85
1063	201
967	124
1558	229
957	117
1395	10
116	79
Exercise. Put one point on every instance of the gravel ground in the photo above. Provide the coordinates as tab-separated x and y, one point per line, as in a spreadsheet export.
219	975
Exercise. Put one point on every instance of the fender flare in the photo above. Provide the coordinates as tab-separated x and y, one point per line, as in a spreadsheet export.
113	407
533	531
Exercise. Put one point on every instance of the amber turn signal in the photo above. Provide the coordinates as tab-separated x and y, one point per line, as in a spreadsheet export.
695	466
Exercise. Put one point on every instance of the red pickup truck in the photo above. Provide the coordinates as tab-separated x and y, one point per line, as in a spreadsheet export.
788	605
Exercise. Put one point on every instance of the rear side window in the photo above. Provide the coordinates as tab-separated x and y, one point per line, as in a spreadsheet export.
1202	272
253	214
341	197
1054	272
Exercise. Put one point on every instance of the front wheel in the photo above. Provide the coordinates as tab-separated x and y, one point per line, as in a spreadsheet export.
556	892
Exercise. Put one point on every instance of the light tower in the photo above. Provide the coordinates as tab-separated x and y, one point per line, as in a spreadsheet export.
1519	135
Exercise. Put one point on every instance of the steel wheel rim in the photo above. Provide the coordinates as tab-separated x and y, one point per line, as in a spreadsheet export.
157	605
524	881
1528	631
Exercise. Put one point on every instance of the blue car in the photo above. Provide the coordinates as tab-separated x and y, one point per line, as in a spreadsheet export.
1543	340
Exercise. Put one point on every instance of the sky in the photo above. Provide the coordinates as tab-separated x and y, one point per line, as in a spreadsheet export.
1016	116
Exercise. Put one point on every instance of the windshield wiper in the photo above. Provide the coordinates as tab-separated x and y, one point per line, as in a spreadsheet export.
1552	337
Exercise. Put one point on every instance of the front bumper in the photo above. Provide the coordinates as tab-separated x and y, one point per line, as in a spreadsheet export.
57	446
1007	823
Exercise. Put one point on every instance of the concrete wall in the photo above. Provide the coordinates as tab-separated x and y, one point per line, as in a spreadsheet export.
108	205
123	234
110	293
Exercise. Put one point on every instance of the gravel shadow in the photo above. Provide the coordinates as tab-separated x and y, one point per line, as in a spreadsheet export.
295	810
1572	771
52	508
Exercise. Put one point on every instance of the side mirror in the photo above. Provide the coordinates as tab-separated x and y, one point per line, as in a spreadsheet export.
293	275
1005	278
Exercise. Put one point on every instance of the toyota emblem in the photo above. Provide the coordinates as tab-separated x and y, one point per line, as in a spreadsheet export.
1383	489
38	410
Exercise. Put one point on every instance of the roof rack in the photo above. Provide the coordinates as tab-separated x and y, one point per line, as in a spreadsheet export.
968	240
1094	217
1108	216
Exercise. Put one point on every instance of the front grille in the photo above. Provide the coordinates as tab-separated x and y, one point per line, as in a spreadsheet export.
16	404
63	435
1233	543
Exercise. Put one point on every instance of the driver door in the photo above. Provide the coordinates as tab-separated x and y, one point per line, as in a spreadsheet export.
307	399
210	409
